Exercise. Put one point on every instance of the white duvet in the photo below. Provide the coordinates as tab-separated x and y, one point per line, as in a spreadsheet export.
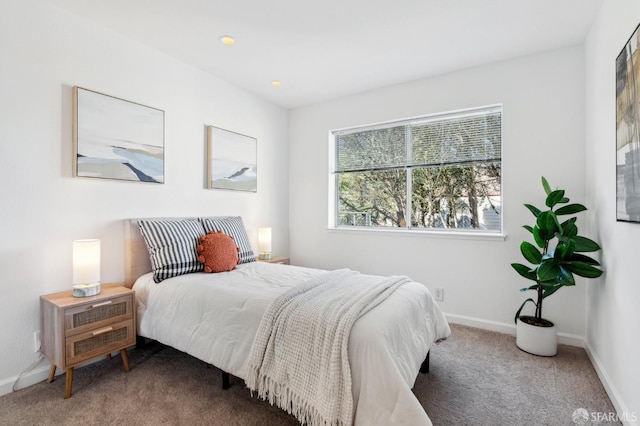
214	317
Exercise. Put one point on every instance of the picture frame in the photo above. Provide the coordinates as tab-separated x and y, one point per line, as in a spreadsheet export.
116	139
232	162
628	131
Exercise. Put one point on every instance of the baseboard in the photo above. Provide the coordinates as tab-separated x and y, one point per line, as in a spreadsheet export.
628	418
624	414
563	338
36	375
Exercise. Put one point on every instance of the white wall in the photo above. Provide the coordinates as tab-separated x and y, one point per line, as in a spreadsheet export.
44	52
613	316
543	134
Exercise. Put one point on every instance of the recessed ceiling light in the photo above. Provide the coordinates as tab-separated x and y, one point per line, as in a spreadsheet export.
276	83
228	40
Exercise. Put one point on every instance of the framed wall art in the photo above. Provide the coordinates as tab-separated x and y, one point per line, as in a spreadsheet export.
628	131
116	139
232	160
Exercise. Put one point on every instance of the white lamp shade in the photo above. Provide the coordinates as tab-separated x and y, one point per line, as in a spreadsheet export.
86	261
264	240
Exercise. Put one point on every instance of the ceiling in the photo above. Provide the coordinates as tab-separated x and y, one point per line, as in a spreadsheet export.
330	48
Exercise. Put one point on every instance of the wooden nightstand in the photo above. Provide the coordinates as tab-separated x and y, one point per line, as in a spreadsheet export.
276	259
78	329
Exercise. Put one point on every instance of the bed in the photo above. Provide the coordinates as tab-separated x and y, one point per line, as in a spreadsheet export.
215	317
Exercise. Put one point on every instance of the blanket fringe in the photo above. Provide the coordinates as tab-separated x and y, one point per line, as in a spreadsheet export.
285	398
299	357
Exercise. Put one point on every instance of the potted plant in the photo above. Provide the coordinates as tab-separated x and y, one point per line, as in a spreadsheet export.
556	256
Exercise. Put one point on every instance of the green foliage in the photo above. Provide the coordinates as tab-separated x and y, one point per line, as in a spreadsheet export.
556	256
447	189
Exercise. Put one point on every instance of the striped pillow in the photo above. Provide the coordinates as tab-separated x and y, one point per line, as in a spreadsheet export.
233	227
172	246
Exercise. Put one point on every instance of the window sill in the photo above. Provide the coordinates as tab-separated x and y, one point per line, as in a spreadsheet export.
456	235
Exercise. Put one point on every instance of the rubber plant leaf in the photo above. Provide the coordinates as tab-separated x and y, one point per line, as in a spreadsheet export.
540	240
584	244
565	277
533	209
524	271
554	198
531	287
550	290
530	252
545	185
577	257
569	228
584	269
570	209
548	271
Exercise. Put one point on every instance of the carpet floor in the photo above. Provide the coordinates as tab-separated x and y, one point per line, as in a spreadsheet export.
477	377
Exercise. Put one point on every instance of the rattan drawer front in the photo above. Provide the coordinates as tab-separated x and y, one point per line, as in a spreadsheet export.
92	316
99	341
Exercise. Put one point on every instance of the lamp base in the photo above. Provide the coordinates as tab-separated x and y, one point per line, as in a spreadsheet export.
85	290
264	256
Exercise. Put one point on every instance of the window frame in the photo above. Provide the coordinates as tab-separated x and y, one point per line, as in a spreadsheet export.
334	176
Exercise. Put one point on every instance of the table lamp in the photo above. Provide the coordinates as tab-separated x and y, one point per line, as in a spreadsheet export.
86	267
264	243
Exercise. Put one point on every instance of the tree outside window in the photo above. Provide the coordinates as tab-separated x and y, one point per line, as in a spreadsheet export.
435	172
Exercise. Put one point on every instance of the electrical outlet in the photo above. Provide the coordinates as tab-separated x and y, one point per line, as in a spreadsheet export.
439	294
36	341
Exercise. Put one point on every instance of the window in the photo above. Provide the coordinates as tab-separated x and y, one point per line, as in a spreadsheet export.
434	172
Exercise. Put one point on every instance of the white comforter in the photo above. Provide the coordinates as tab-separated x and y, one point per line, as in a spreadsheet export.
215	317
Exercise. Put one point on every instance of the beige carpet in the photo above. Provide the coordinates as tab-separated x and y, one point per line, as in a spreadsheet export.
477	378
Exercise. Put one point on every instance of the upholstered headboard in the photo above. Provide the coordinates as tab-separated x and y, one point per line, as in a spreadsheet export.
137	260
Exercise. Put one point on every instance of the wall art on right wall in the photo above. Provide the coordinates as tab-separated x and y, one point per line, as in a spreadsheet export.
628	131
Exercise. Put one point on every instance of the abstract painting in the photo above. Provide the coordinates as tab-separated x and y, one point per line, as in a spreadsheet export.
117	139
232	160
628	131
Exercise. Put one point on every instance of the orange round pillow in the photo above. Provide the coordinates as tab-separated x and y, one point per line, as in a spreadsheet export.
218	252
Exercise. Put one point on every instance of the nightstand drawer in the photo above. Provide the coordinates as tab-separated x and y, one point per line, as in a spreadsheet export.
92	316
98	341
78	329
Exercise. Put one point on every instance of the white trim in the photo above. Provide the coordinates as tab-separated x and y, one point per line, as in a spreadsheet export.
618	404
41	374
415	232
621	408
420	119
500	327
35	376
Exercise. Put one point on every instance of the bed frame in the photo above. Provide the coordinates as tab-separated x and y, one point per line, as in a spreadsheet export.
137	263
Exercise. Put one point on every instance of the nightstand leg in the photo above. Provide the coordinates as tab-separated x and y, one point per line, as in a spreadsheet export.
125	359
69	383
52	373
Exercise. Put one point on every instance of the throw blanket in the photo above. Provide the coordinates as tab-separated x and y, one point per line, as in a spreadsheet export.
299	359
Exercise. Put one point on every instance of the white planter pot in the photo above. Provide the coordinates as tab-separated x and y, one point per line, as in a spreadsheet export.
535	339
